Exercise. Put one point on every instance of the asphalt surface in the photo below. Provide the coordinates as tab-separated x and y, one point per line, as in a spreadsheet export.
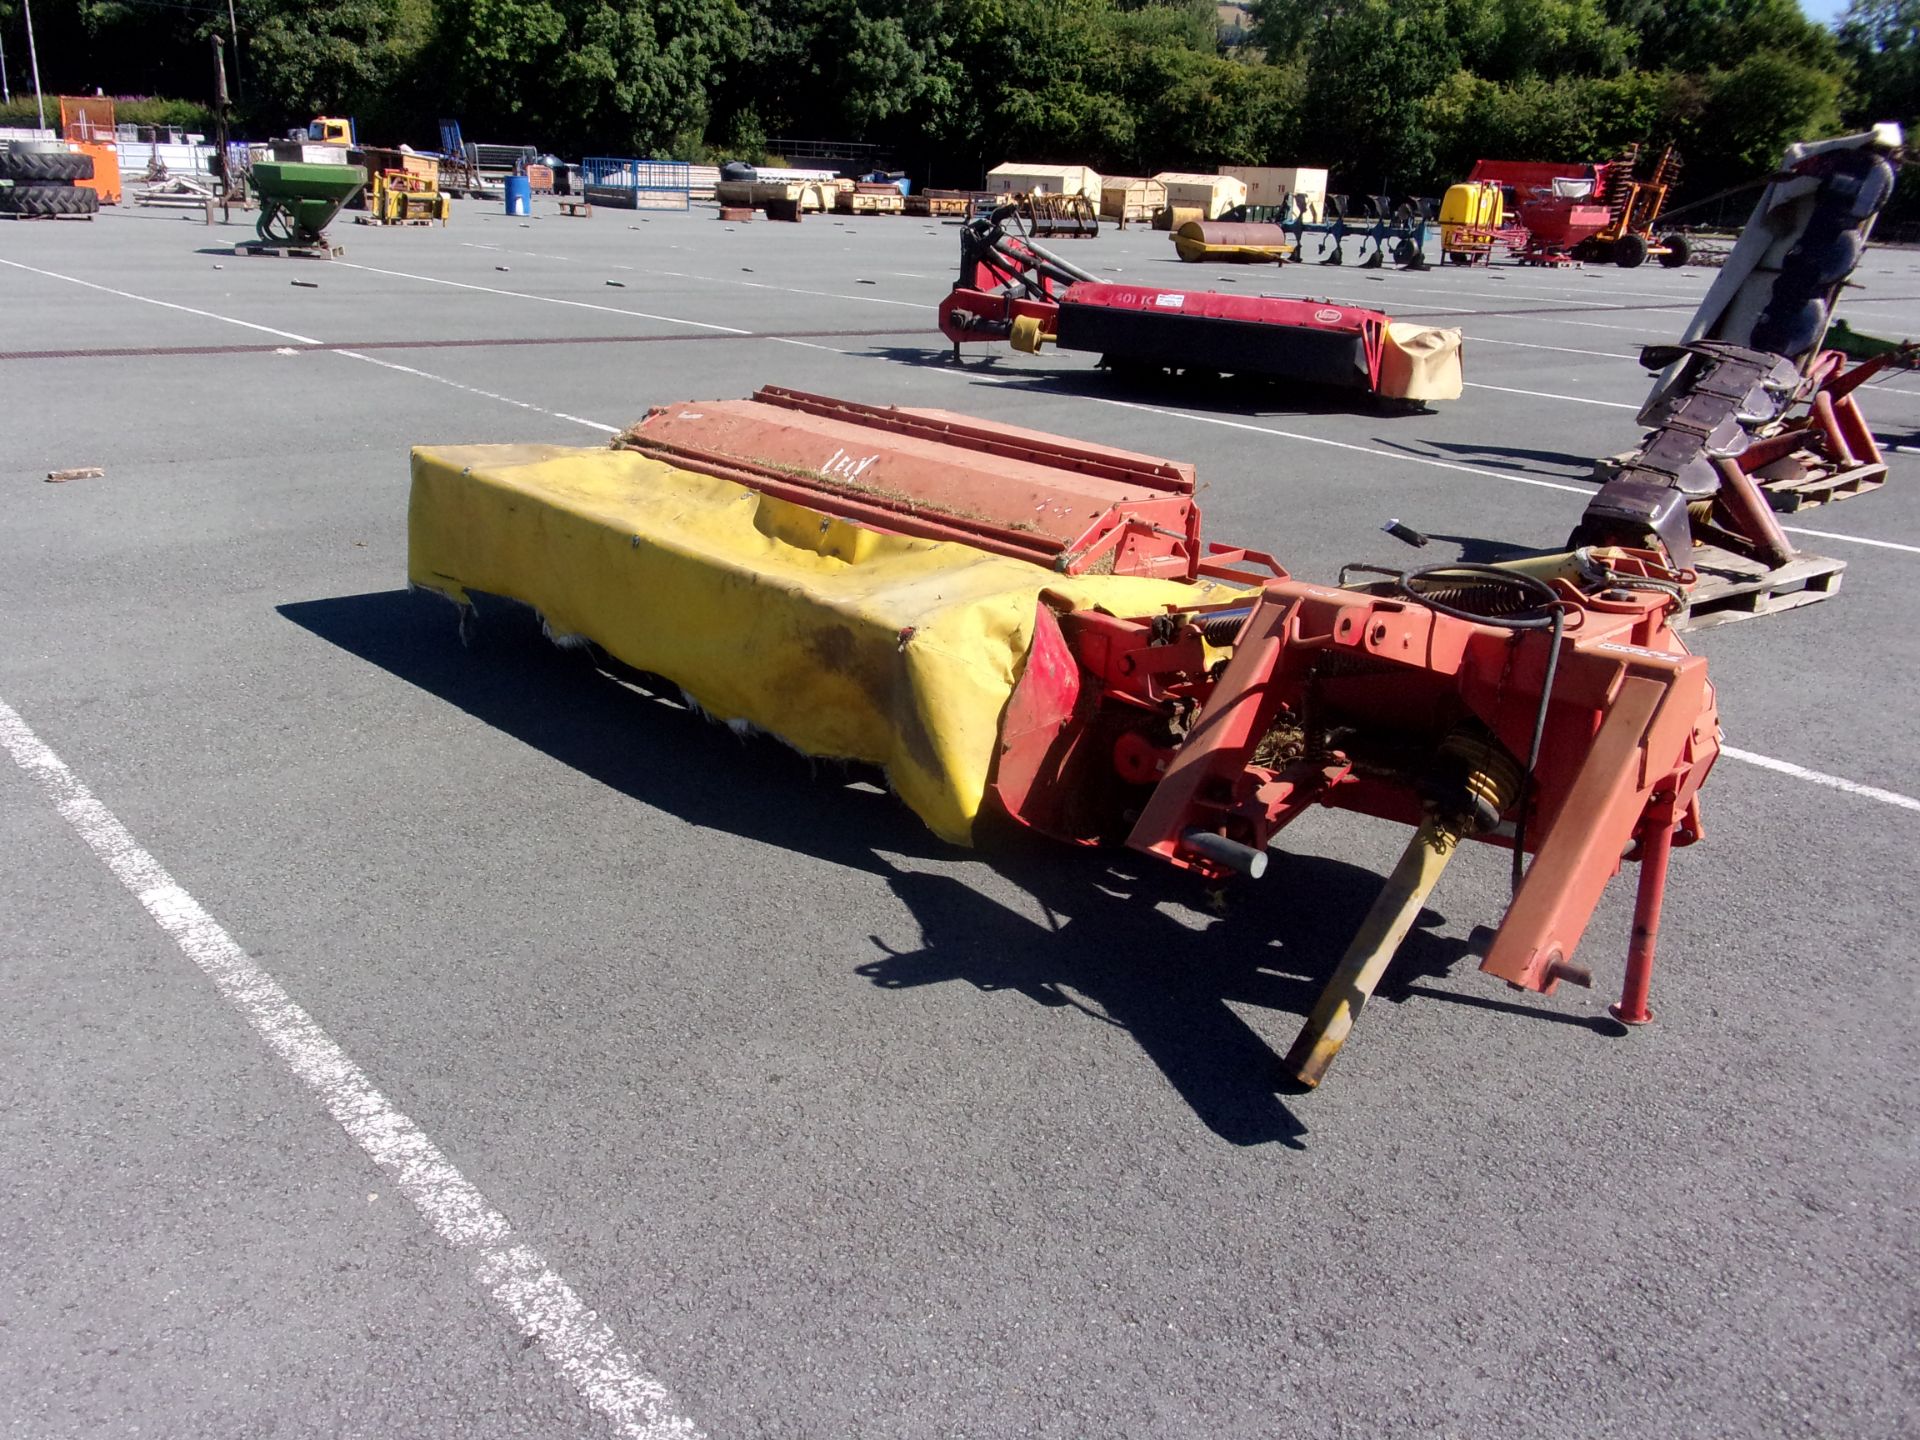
840	1130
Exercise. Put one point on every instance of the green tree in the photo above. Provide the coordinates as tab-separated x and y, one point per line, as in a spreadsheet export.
844	69
1882	40
332	57
631	77
1754	110
1509	40
1370	66
1695	36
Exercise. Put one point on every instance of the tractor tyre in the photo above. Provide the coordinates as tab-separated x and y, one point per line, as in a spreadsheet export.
1679	251
61	166
1630	251
48	200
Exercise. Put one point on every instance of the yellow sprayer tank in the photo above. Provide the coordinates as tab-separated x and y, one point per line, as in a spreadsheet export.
1470	214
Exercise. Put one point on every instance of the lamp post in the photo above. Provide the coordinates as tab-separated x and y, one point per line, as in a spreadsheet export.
233	24
33	57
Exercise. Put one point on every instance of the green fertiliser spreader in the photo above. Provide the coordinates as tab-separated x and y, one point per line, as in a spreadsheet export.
297	201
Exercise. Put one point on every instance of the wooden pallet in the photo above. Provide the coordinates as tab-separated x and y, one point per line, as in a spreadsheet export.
1797	481
1732	587
289	252
579	208
856	202
939	206
1796	485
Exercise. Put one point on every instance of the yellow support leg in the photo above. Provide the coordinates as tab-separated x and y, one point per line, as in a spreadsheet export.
1372	949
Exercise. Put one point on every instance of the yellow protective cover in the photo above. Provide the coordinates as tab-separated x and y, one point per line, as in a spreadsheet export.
842	642
1420	362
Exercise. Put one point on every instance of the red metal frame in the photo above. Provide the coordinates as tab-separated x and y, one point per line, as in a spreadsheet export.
1631	732
1196	733
1830	441
978	309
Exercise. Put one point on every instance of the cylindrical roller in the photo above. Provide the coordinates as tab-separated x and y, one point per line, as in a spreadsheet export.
1238	240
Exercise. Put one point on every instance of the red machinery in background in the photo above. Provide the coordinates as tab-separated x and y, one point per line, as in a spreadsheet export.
1012	289
1565	214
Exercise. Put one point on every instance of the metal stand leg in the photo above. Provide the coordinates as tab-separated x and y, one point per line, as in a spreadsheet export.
1632	1007
1370	953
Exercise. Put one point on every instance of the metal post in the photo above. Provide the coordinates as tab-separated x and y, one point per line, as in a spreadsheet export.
1655	848
33	58
234	25
220	108
1372	950
6	95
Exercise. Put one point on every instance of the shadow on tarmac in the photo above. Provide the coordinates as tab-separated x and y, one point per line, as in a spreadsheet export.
1246	396
1127	941
1515	457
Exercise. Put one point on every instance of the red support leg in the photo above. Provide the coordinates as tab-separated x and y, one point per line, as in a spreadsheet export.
1752	516
1655	848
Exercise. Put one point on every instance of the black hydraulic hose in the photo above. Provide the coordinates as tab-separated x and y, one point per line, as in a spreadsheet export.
1549	614
1065	267
1037	261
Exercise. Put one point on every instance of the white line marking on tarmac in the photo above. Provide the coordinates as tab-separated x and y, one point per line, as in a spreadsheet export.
1557	349
705	279
517	1277
1676	302
163	304
543	299
1820	777
796	290
1853	539
599	425
349	354
1336	444
1589	324
1550	395
537	255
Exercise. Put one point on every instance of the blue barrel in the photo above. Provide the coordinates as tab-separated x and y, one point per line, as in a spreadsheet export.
519	195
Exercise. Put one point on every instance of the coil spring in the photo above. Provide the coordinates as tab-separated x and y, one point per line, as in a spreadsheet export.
1480	597
1223	629
1490	776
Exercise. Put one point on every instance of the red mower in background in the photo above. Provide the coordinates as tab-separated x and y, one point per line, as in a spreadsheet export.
1013	289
